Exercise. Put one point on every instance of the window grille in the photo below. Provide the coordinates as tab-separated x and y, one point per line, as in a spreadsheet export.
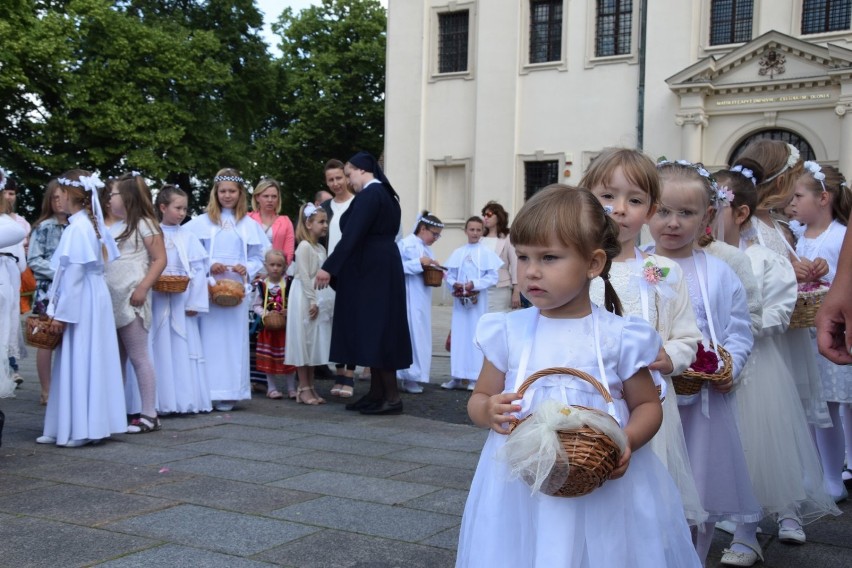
820	16
614	27
538	175
805	149
731	21
545	30
452	41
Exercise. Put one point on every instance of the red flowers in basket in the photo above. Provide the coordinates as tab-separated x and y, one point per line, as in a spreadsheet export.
812	286
706	361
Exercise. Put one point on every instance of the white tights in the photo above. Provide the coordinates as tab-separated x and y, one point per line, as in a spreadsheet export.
133	343
831	446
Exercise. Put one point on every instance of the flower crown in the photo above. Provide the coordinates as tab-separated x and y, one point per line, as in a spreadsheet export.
716	197
88	183
815	170
235	179
747	173
792	160
423	219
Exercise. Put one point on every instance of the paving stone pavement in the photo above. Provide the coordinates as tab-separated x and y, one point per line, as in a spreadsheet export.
273	483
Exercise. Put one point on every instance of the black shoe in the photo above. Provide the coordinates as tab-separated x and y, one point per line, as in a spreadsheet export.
384	408
363	402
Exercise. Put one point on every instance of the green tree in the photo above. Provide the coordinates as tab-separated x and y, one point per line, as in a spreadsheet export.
331	91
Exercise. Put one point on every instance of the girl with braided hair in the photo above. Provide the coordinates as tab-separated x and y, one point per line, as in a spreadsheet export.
86	401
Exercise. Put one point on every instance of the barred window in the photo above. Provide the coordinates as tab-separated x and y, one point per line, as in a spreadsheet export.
614	26
820	16
538	175
545	30
788	136
452	41
730	21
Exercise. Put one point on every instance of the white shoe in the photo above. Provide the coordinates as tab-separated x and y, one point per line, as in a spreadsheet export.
45	440
411	387
16	376
77	443
846	475
791	535
471	385
453	384
223	406
749	558
727	526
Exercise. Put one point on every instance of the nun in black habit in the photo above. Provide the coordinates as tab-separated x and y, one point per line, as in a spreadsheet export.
370	326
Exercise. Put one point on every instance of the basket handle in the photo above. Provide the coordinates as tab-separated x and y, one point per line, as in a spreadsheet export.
565	371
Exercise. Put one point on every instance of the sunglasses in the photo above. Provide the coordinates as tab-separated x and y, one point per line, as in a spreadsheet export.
488	214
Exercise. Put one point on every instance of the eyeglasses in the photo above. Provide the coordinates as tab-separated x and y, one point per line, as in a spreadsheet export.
114	193
488	214
435	234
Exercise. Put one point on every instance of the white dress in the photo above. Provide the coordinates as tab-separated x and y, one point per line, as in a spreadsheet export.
419	305
10	315
175	341
476	264
836	379
308	340
709	418
667	307
86	393
10	233
125	273
782	459
224	330
795	344
634	521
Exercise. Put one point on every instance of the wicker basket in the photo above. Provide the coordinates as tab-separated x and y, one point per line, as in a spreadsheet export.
171	284
39	334
591	456
227	293
807	305
690	382
433	276
273	321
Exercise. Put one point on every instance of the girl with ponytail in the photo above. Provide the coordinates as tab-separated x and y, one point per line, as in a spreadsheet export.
564	240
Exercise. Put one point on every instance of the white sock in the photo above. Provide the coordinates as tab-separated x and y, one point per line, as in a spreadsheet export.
831	446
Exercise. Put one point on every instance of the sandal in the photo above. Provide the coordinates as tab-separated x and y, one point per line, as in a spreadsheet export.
144	424
42	400
314	401
346	391
292	394
317	396
335	390
274	394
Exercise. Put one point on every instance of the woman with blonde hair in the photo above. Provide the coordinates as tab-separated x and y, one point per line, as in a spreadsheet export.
266	210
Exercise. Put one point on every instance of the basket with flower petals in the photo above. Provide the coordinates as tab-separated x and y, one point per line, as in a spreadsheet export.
808	301
38	333
710	365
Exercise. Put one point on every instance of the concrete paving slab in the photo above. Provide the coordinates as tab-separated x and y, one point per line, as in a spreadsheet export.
337	549
11	484
256	451
31	542
33	457
79	505
211	529
358	487
435	456
368	518
176	556
237	469
368	448
255	434
173	438
135	454
229	495
439	475
448	539
348	463
105	475
446	501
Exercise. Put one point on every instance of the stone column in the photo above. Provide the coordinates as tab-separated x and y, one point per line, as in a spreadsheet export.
692	125
844	159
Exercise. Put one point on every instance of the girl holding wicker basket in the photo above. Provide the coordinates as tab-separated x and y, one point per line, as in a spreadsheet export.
180	294
86	401
535	500
821	203
235	245
270	307
721	309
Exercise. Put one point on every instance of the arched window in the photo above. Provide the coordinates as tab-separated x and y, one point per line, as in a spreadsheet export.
787	136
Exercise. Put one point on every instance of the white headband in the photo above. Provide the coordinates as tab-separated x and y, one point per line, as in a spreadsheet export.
815	170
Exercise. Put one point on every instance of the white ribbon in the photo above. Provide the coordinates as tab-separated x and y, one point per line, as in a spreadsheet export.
310	209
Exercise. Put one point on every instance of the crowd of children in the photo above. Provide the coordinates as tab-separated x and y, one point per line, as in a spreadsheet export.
712	294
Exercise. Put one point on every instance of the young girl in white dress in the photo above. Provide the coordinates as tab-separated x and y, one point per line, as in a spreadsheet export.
133	224
235	245
721	308
782	166
472	271
625	181
416	252
309	310
175	341
564	239
86	401
782	459
821	203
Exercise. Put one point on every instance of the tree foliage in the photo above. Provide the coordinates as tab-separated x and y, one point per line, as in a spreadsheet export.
177	89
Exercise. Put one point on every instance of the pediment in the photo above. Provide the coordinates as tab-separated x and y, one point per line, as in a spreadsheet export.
773	60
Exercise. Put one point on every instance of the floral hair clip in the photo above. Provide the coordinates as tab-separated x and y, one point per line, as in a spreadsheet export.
816	171
747	173
793	157
724	197
310	209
